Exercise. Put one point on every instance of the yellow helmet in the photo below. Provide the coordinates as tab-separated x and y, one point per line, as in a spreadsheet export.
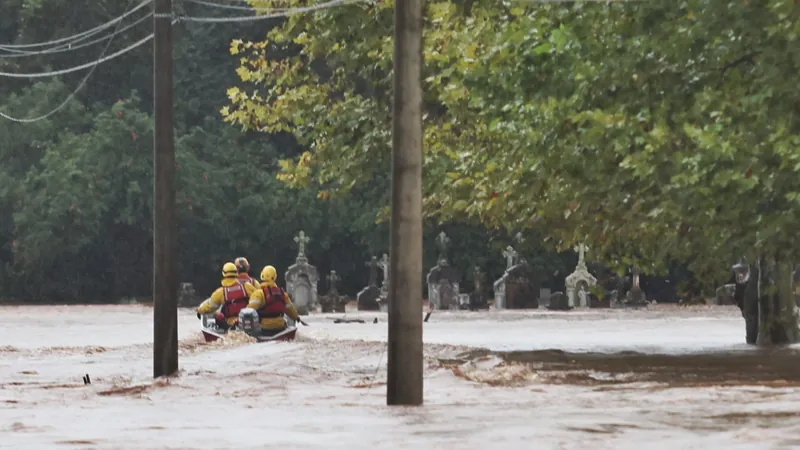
229	270
268	273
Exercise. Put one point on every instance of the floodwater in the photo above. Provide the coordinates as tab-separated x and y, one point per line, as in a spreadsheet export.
661	378
763	367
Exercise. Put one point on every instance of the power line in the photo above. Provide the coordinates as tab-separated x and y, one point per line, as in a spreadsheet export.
288	12
235	7
82	66
82	34
77	89
69	47
93	65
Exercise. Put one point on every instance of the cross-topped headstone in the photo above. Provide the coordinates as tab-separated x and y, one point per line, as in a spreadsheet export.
373	271
477	277
510	254
442	241
301	240
333	279
581	249
384	264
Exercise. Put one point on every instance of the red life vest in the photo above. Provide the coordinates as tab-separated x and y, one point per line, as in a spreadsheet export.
274	302
236	299
243	278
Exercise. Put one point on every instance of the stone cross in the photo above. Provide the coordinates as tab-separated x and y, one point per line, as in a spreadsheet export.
384	264
510	255
333	279
442	242
301	240
581	249
477	276
373	271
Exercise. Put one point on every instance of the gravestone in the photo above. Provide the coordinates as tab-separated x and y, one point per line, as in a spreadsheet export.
725	294
521	290
580	281
302	279
187	296
635	296
383	296
516	289
499	285
559	302
544	297
464	301
612	285
443	280
477	299
367	298
332	301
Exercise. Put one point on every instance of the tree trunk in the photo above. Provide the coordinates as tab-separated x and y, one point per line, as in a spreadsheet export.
777	312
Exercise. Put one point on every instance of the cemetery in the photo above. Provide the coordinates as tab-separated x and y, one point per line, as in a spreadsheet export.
517	288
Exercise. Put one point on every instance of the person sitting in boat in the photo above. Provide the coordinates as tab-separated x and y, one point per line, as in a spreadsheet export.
243	267
264	314
231	297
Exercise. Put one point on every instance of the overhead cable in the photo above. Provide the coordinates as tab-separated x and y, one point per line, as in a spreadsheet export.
77	89
94	64
236	7
70	47
82	34
288	12
82	66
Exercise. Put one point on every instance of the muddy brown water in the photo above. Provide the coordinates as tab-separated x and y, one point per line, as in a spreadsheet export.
765	367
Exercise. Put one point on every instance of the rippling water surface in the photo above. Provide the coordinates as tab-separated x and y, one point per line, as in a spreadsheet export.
665	377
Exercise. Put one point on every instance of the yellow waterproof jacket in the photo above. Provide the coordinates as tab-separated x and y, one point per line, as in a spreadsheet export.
258	300
217	298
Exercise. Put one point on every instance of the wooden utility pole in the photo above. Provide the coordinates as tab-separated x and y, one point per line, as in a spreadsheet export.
404	384
165	286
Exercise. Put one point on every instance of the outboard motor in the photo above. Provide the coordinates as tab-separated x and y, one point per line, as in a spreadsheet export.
250	322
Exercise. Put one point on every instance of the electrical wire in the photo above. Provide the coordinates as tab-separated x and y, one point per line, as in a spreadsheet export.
235	7
288	12
69	47
93	65
83	34
82	66
77	89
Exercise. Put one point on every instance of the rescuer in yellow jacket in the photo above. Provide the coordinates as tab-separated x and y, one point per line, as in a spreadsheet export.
232	296
271	302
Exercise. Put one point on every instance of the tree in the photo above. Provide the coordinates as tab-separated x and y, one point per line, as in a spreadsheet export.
86	209
650	131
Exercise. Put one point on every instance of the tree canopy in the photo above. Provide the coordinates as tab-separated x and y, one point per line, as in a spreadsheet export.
75	217
650	131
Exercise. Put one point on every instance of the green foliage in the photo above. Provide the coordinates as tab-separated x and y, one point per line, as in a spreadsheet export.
75	221
651	131
85	208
